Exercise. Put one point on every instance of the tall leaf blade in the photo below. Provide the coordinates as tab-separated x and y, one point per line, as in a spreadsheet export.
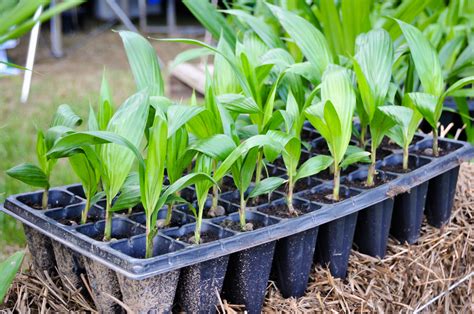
309	39
129	122
425	58
144	63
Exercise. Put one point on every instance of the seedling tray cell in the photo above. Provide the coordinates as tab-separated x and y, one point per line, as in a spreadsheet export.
134	267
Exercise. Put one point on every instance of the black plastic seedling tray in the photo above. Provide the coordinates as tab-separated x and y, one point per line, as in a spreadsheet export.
132	266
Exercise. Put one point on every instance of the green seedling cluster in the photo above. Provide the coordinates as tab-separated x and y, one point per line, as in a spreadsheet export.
286	68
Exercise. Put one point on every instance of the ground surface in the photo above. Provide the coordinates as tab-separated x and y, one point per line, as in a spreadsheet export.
74	80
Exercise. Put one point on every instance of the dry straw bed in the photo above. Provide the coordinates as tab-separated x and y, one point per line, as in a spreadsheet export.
435	275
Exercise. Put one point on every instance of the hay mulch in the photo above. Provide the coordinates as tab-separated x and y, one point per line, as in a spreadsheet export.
435	275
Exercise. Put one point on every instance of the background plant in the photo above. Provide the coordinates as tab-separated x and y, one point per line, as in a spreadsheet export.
332	117
63	121
427	65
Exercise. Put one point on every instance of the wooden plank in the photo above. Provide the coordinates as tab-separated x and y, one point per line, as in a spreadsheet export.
193	75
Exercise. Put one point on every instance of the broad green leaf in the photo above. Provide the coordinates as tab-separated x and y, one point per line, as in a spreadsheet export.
143	62
266	186
425	59
128	198
238	103
211	19
225	79
313	166
373	68
106	109
152	182
337	88
242	150
426	104
247	169
29	174
353	158
330	18
128	122
218	146
355	21
458	85
87	174
380	125
178	115
65	116
309	39
8	270
260	27
407	11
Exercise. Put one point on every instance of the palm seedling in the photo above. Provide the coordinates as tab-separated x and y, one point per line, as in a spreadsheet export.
426	62
290	140
242	164
242	83
63	121
332	117
153	194
115	158
373	68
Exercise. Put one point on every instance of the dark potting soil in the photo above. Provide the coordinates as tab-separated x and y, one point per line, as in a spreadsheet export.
227	185
262	199
235	225
281	210
127	211
280	163
100	237
301	185
37	206
325	196
188	194
387	143
442	150
398	168
362	183
327	175
206	237
382	153
75	221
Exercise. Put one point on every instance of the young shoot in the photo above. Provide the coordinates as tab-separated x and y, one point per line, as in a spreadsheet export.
241	162
332	117
373	68
153	194
115	158
427	65
63	121
406	118
293	118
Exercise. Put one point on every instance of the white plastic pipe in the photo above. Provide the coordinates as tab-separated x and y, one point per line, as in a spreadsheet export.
30	59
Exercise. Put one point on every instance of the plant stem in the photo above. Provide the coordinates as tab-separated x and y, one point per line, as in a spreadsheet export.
215	196
405	157
243	205
197	231
85	212
371	172
363	130
289	198
337	179
435	142
149	239
169	212
44	203
258	171
108	222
